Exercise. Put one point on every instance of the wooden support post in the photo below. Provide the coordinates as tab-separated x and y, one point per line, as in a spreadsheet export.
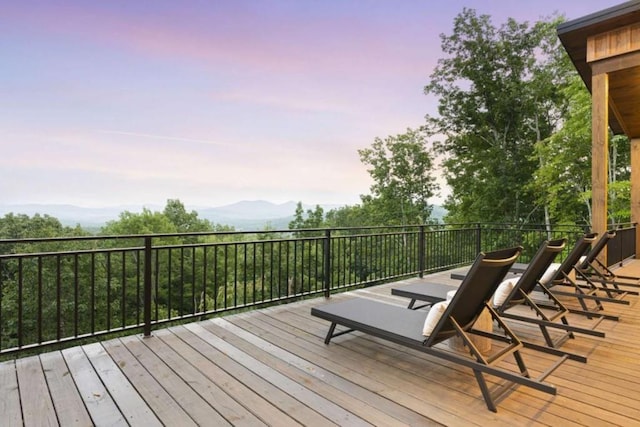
635	188
599	154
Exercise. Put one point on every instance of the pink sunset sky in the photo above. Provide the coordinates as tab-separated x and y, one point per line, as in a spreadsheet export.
109	103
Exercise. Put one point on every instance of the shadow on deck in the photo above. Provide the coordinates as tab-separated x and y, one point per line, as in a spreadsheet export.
271	367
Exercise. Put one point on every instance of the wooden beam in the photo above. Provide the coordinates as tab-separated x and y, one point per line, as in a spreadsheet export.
599	153
635	187
616	63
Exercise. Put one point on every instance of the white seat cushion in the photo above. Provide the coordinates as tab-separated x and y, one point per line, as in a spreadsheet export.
550	273
503	291
434	315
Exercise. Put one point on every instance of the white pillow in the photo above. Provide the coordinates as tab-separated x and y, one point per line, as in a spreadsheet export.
503	291
550	273
434	315
581	261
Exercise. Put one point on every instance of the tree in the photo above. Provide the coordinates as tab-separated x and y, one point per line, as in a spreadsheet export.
401	168
313	219
185	222
491	113
564	173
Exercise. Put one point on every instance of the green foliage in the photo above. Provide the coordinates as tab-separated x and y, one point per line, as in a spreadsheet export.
312	218
20	226
492	110
564	173
401	169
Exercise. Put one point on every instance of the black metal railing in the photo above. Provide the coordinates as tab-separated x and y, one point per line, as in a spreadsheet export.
59	290
623	245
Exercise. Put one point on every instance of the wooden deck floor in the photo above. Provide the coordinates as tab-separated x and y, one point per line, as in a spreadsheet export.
271	367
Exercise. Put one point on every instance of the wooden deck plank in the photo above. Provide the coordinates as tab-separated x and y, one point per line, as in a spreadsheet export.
287	403
63	391
327	408
158	399
199	409
368	387
259	407
134	409
322	382
95	396
37	406
229	408
301	360
10	407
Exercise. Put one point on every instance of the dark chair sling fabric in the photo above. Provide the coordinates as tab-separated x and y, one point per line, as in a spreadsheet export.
596	271
550	313
404	327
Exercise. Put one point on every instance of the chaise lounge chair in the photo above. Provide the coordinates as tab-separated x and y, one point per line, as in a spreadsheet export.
407	327
579	285
596	271
515	291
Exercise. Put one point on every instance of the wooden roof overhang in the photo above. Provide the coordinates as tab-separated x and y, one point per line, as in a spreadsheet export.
609	42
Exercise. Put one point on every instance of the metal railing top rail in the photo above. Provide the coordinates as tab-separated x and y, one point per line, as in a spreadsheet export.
289	231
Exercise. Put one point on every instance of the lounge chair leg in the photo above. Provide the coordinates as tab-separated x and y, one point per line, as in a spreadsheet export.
485	391
332	328
521	365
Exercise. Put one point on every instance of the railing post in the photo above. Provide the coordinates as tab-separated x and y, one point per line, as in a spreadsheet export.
147	286
478	238
421	252
327	263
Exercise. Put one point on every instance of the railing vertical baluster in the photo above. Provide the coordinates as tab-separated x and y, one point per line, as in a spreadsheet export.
137	258
20	299
193	280
157	282
421	252
1	292
203	307
169	282
147	286
327	263
244	273
108	291
123	305
58	297
215	278
39	299
181	306
225	274
235	275
92	302
478	238
76	286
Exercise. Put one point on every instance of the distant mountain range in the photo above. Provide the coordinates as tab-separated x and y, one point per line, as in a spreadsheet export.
244	215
